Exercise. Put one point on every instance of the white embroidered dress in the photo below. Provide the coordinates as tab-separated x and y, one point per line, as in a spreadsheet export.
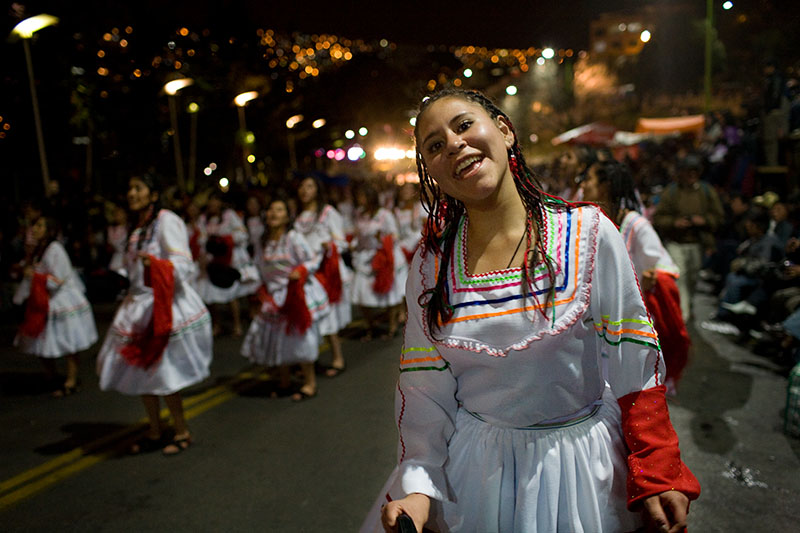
229	223
508	418
410	223
186	358
70	326
328	227
645	247
267	341
368	233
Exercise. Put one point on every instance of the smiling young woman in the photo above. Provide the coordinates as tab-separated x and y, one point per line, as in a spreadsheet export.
160	340
531	383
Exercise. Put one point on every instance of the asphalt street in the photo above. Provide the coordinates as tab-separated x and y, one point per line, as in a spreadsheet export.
265	464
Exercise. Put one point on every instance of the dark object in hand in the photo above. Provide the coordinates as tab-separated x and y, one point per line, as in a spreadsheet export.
405	524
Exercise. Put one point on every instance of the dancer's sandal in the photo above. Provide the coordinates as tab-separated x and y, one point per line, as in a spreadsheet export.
145	444
177	445
302	395
65	390
333	371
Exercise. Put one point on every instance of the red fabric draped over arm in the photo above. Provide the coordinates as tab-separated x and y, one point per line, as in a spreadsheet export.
329	275
148	347
664	305
295	308
37	307
383	265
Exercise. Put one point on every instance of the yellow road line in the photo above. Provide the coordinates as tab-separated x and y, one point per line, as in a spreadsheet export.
37	486
74	461
41	469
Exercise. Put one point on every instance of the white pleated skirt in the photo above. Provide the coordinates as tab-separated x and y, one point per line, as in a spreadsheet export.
566	479
267	342
185	360
70	327
248	284
362	292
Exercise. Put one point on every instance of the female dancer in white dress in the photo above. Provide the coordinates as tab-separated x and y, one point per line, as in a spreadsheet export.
160	340
410	217
323	227
224	224
380	267
530	387
286	330
610	184
58	317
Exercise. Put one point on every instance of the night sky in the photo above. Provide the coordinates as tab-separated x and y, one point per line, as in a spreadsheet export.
483	23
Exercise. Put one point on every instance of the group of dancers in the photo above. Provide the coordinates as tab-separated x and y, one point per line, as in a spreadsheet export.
532	380
288	260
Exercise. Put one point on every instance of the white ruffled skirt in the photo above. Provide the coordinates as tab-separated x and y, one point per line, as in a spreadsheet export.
246	285
185	360
268	343
70	326
362	292
505	480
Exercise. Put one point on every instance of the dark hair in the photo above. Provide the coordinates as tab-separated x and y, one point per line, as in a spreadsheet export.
153	183
621	188
371	193
51	234
284	199
759	217
322	196
445	212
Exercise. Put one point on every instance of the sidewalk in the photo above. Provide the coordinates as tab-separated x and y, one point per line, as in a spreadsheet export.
729	416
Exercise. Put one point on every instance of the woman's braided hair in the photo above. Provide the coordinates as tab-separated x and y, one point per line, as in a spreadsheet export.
445	212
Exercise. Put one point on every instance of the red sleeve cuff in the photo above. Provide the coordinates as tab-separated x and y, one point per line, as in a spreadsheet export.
654	462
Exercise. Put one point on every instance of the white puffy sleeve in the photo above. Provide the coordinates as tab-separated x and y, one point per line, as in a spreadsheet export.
173	239
627	342
56	264
302	253
236	228
425	403
335	224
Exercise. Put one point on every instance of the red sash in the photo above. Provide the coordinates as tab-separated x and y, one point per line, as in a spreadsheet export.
294	308
664	304
329	275
37	307
383	265
148	346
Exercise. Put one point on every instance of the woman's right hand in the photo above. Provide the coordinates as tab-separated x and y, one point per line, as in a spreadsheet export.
416	505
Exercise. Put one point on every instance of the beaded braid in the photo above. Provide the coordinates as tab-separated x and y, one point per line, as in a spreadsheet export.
445	212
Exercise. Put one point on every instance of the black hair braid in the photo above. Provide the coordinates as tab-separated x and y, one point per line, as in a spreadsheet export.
621	187
147	228
445	212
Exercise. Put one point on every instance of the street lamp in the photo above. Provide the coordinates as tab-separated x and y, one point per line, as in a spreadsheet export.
291	122
241	101
24	30
193	108
172	88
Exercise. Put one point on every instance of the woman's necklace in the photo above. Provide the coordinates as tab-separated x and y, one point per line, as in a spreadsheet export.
516	250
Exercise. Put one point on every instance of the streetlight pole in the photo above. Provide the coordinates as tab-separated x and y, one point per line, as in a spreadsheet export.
37	119
172	88
193	109
241	101
25	30
709	41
